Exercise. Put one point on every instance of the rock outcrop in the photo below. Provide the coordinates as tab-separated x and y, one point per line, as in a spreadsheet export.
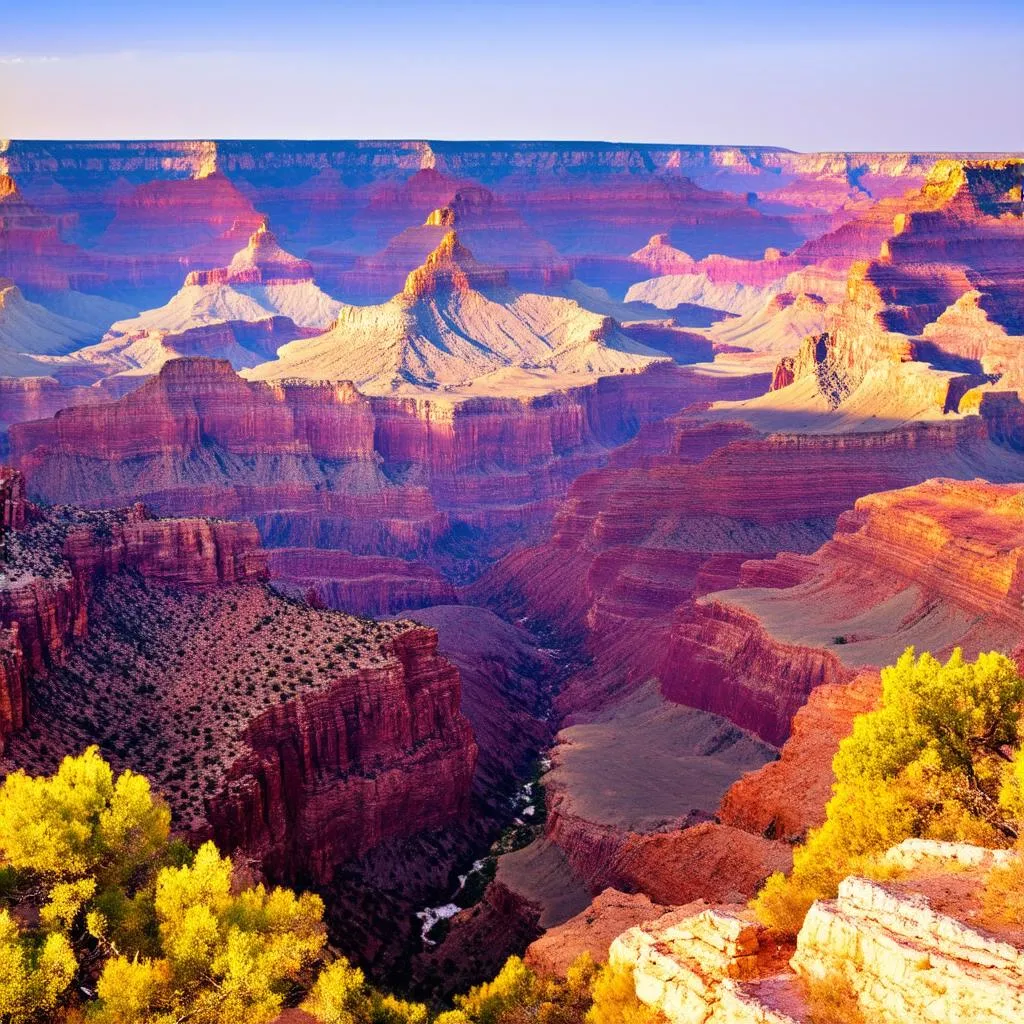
787	797
458	326
916	949
592	931
51	564
300	738
935	565
329	775
954	245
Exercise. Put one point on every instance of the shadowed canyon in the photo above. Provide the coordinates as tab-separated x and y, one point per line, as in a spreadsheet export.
499	539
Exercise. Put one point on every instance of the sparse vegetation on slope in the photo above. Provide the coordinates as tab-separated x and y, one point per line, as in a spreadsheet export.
935	760
171	678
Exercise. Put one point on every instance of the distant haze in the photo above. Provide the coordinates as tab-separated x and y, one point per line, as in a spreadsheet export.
811	76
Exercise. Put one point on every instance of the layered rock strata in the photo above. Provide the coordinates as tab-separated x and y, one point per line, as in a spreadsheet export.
322	466
916	949
299	737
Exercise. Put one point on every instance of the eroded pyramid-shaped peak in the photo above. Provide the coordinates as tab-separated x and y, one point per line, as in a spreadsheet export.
451	267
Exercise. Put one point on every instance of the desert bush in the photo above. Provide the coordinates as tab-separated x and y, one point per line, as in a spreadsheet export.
1003	893
931	761
832	1000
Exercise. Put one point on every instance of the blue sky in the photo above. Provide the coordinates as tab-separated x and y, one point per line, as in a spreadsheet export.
839	75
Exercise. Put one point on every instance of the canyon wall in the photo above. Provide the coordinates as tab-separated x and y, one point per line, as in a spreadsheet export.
45	591
329	775
111	623
448	484
131	217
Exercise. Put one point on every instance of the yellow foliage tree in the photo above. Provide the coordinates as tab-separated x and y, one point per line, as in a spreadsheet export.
227	957
931	761
514	985
34	971
81	821
615	1000
339	995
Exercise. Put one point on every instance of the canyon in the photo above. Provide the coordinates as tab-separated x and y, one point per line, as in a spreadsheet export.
512	529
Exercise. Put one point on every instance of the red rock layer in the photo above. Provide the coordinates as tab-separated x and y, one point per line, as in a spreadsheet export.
43	613
592	931
360	584
451	267
32	252
787	797
676	515
12	499
937	565
262	261
723	660
32	398
709	861
323	466
489	228
192	221
378	754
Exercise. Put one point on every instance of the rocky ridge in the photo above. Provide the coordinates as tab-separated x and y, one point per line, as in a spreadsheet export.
915	948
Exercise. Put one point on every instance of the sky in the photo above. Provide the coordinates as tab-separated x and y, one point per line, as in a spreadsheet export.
839	75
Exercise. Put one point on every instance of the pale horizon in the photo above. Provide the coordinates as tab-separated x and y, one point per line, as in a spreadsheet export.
868	77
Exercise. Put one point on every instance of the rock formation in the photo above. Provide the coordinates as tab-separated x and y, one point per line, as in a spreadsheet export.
918	948
936	566
455	322
491	229
329	775
323	466
954	246
157	639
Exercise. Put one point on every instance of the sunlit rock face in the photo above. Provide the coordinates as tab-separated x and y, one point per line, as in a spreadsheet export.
936	566
915	949
323	466
457	324
946	287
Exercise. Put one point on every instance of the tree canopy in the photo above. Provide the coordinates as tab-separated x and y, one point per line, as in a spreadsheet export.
939	758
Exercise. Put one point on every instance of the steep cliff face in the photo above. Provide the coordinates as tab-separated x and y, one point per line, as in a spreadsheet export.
490	228
677	514
321	466
787	797
125	216
53	561
163	226
328	776
300	737
31	398
32	250
936	566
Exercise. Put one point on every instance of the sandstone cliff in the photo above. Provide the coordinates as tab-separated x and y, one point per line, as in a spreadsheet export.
298	737
322	466
911	950
329	775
